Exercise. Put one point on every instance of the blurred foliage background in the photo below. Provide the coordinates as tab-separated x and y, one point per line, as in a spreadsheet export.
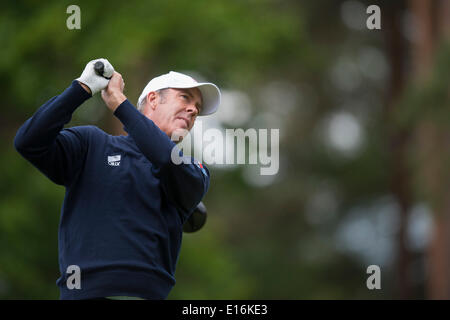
364	139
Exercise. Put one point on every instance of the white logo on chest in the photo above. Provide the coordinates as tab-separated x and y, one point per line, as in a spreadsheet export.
114	160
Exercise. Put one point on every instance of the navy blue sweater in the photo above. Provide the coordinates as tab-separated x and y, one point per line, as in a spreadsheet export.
125	202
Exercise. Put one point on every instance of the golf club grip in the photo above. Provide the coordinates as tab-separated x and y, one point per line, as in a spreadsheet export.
99	68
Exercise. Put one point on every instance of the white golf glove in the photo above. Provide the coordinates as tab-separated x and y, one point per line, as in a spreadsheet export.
94	81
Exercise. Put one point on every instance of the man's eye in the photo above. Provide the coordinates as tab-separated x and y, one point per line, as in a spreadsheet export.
184	96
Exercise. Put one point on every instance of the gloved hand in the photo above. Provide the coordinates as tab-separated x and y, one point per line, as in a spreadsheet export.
95	82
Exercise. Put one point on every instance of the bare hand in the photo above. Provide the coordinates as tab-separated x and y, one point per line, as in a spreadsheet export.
113	93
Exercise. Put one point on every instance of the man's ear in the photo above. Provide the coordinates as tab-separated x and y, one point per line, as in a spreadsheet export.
152	99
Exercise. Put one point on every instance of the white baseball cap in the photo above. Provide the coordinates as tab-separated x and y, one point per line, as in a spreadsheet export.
176	80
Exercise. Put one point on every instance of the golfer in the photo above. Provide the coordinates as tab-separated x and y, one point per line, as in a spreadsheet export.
126	201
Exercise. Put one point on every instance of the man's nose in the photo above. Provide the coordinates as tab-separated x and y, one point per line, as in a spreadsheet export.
192	109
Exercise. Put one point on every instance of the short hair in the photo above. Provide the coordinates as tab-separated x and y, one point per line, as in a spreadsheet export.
161	92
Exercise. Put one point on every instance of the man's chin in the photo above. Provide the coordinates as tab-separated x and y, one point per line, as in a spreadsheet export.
178	134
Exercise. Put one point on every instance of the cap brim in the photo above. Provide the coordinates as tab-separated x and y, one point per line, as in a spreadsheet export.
210	96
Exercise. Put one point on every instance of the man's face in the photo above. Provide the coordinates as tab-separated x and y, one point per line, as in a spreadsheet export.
174	110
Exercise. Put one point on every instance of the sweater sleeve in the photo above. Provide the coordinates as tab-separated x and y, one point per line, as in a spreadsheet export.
184	184
42	140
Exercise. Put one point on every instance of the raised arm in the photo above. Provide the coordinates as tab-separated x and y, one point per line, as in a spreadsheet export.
186	183
41	139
